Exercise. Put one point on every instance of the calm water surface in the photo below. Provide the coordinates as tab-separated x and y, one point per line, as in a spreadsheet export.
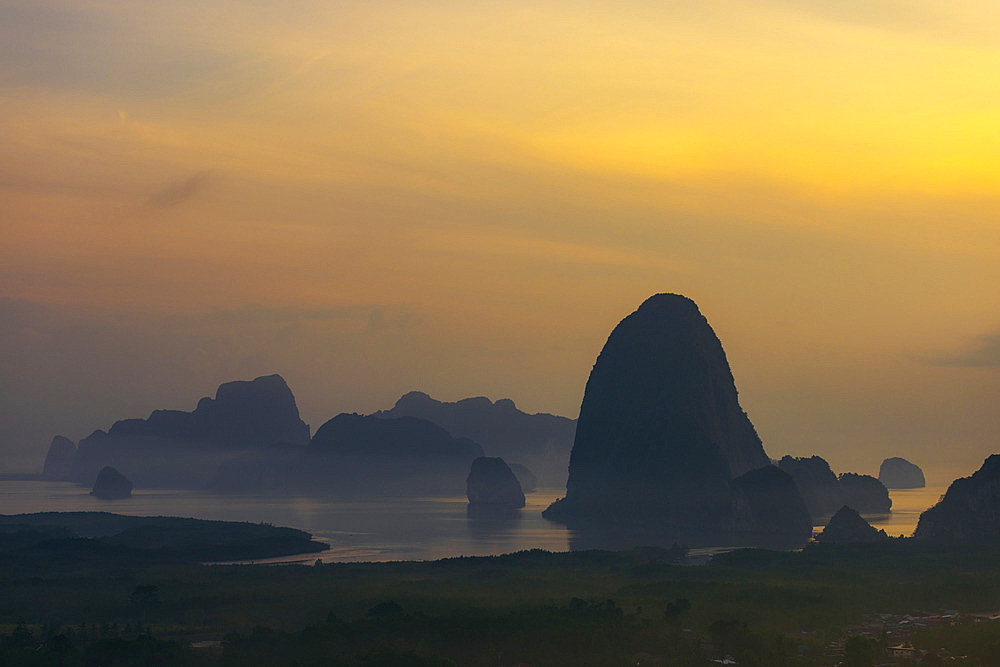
373	530
379	529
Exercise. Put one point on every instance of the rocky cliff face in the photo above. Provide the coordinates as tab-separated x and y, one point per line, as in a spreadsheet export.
491	482
174	448
767	502
847	526
111	485
865	493
540	441
661	433
969	510
898	473
59	461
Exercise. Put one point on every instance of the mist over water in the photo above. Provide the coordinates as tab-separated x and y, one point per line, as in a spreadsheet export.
383	529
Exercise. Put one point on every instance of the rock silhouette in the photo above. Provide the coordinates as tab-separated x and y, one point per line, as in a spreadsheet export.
819	486
969	510
354	455
540	441
767	501
491	482
825	493
847	526
59	460
661	434
524	476
174	448
111	485
898	473
865	493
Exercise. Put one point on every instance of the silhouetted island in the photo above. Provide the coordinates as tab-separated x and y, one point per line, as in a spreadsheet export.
970	510
540	441
182	449
898	473
59	459
355	455
847	527
491	482
865	493
661	435
767	502
111	485
825	493
817	483
527	479
75	541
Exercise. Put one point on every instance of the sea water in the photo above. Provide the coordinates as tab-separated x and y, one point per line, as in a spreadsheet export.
380	529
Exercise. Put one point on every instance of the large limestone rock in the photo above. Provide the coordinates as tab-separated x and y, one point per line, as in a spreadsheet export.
182	449
898	473
540	441
111	485
491	482
865	493
661	433
767	502
59	461
969	510
847	526
819	486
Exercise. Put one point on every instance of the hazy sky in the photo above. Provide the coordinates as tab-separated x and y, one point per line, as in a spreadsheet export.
466	197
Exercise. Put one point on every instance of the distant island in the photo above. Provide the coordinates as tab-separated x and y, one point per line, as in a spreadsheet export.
250	439
898	473
111	485
357	456
825	493
178	449
541	442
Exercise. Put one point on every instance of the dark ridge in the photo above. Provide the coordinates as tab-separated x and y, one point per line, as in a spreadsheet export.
970	510
540	441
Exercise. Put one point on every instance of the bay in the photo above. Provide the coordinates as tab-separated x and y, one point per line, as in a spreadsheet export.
381	529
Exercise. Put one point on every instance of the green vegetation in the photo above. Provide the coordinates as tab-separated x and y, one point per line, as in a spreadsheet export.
582	608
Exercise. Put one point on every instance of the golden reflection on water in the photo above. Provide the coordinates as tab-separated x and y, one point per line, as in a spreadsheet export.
907	505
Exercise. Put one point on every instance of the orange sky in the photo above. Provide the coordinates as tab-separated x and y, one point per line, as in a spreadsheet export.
464	198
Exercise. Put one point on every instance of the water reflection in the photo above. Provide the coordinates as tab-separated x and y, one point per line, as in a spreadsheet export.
413	528
486	520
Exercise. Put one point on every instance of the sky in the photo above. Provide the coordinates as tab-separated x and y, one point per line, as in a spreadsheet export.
464	198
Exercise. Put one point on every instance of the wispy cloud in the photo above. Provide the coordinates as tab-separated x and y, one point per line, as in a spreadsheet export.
178	192
981	352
